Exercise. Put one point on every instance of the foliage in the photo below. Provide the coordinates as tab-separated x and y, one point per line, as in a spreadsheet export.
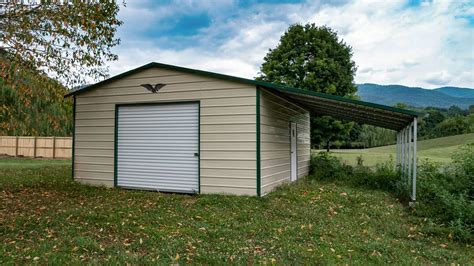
313	58
70	40
326	130
445	195
34	105
326	166
452	126
368	136
46	218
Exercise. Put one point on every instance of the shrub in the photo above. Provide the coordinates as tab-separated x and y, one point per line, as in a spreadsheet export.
325	166
445	195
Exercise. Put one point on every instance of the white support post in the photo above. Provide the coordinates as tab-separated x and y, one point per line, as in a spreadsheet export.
400	149
403	153
413	192
409	155
397	148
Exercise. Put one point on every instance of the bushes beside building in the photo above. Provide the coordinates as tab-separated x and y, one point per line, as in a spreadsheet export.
445	194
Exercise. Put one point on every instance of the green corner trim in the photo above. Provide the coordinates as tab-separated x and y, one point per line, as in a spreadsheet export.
258	143
73	135
264	84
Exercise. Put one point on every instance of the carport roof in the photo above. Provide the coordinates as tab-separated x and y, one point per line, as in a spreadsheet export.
315	102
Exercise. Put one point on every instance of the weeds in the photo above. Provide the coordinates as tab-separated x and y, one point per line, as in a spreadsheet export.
445	194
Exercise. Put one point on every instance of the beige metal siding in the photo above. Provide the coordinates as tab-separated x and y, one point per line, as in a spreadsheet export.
228	129
275	116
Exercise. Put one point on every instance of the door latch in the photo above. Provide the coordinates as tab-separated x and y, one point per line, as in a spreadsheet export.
196	154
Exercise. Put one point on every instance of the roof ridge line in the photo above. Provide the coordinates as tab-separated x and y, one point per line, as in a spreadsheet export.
261	83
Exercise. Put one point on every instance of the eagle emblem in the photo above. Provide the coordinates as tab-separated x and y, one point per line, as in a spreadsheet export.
153	89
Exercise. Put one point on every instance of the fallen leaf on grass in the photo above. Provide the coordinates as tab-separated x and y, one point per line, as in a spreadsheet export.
376	253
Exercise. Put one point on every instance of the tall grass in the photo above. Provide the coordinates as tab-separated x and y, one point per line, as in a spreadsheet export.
445	194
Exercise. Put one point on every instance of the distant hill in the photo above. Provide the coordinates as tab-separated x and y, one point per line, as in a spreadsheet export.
457	92
418	97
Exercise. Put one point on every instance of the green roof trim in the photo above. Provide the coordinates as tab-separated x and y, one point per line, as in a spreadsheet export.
263	84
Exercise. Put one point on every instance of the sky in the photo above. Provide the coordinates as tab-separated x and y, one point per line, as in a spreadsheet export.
409	42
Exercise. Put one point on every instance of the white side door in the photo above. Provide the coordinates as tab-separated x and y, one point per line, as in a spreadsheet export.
293	150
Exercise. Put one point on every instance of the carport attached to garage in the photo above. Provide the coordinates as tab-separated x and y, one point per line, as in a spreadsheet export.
168	128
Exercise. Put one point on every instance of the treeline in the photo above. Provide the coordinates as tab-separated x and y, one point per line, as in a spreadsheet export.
440	122
435	123
32	104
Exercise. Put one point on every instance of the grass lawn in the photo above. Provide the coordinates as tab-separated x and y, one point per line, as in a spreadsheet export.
11	162
438	150
47	218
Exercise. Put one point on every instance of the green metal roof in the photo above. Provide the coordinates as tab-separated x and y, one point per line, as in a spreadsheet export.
315	102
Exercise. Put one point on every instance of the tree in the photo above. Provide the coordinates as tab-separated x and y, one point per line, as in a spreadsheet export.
453	126
471	109
329	130
429	122
69	40
34	106
313	58
455	111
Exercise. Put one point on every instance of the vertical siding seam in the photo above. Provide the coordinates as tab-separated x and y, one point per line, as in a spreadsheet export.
258	142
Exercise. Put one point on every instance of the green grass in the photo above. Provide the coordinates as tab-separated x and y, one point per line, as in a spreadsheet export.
11	162
437	150
47	218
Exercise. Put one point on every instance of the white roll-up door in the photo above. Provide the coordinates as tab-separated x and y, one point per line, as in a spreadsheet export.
158	147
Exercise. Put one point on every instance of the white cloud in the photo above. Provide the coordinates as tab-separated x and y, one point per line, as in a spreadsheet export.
439	78
428	46
405	45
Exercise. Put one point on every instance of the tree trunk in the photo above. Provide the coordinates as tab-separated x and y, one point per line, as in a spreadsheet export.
327	145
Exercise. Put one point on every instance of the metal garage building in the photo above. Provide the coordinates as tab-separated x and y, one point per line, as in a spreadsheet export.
167	128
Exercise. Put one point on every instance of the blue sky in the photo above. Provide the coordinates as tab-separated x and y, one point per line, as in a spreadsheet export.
409	42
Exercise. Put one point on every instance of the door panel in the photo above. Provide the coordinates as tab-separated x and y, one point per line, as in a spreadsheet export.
293	150
158	147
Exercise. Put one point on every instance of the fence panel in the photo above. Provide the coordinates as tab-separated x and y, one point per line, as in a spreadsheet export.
36	147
